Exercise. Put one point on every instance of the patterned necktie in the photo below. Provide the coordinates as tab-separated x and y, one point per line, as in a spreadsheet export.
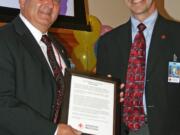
57	75
133	113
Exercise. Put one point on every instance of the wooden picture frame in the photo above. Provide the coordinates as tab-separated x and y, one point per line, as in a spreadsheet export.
101	90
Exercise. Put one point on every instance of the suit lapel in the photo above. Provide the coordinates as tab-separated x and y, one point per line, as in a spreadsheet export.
61	50
156	45
126	41
30	44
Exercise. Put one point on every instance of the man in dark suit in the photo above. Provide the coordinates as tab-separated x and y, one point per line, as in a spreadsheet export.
27	85
161	92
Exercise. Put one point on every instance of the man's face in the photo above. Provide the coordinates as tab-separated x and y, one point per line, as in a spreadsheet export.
41	13
141	7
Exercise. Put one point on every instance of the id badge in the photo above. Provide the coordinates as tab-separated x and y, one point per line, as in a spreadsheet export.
174	72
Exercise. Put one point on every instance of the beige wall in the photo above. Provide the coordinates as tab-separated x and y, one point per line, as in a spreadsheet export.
109	12
173	8
115	12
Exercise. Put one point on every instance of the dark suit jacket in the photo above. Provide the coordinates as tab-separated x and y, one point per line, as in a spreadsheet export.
162	98
27	86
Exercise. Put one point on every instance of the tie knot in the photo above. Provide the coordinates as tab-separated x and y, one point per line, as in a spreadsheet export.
46	40
141	27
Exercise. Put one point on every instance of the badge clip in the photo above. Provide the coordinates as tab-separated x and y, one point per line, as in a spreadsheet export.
174	57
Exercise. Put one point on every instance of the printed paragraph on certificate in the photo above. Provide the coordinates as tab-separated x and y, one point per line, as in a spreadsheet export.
91	106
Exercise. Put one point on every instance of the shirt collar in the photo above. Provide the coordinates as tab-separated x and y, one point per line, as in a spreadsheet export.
37	34
149	22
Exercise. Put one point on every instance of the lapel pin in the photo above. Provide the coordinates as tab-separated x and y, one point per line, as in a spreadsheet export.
163	36
62	51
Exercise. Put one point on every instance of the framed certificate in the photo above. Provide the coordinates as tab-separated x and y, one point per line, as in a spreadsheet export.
89	104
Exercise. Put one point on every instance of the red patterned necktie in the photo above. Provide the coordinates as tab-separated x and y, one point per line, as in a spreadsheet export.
57	75
133	113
